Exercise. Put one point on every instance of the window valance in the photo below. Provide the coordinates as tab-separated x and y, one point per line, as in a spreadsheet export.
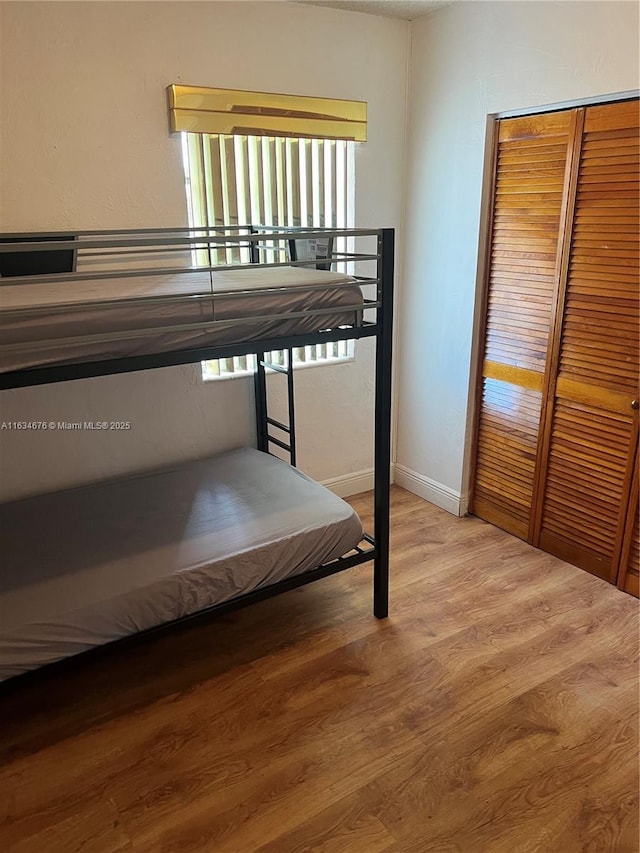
196	109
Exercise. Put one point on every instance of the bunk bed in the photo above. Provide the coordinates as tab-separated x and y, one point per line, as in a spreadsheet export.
133	555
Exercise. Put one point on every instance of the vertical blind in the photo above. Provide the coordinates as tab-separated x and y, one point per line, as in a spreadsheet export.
285	182
236	180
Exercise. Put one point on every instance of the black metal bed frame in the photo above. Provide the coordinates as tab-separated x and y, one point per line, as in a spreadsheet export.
376	547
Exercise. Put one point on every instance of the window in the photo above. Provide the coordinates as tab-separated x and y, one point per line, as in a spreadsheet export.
221	368
280	181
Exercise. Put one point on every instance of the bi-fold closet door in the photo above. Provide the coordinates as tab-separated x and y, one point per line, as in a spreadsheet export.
557	428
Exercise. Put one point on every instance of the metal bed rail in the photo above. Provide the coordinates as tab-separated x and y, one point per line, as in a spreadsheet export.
187	238
135	272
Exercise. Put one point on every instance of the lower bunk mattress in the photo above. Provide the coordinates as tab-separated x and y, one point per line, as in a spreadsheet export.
89	565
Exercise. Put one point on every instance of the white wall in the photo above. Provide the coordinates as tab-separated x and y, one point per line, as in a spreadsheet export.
468	60
84	143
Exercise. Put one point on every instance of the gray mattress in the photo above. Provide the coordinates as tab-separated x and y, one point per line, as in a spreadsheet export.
89	565
65	322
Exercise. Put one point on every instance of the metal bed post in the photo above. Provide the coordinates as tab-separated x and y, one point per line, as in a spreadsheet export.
254	252
382	450
292	408
259	377
260	389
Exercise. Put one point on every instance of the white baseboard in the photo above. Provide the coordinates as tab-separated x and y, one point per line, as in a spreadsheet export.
428	489
350	484
424	487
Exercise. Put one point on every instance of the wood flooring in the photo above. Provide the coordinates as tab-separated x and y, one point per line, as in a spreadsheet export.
495	711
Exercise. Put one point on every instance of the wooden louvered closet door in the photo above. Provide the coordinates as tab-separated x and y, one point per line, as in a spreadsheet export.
557	430
531	183
591	432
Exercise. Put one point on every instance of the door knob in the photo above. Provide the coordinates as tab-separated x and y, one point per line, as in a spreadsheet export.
635	404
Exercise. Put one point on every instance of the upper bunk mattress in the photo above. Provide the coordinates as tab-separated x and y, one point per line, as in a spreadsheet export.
89	565
49	323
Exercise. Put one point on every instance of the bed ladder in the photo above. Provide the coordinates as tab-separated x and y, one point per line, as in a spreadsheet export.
263	421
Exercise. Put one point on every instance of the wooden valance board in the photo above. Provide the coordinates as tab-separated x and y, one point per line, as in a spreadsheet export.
201	109
557	425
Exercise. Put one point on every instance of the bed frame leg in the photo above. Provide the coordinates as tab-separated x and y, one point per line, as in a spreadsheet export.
260	389
382	450
381	587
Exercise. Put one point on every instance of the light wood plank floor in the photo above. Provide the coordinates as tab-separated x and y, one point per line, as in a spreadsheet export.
494	712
